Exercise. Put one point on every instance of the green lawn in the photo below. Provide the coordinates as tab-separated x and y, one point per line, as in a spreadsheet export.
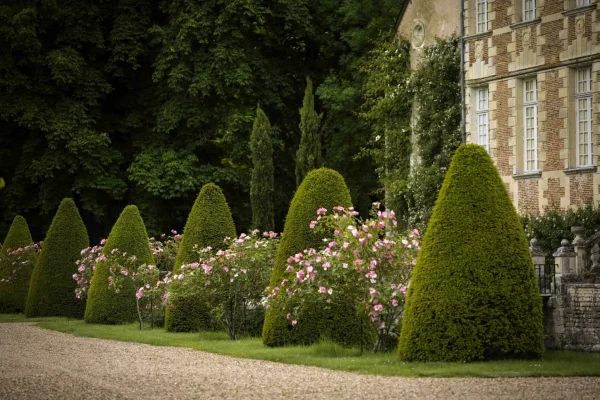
326	355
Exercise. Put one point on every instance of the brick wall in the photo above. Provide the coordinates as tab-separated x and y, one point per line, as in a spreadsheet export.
548	49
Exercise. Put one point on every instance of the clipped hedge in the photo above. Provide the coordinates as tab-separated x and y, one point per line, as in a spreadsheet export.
326	188
208	223
13	295
104	306
52	288
473	294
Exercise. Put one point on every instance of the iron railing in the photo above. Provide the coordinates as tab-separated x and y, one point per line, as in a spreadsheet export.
546	279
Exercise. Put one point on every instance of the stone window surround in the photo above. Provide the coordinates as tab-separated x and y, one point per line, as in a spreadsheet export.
571	7
572	118
478	113
529	101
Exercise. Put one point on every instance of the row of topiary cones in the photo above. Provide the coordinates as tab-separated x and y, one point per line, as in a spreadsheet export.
48	289
473	295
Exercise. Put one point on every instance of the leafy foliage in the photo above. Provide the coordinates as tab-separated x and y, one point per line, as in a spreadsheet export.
473	294
52	288
308	156
129	236
230	282
208	224
387	109
262	185
366	265
436	86
555	225
14	286
131	101
325	188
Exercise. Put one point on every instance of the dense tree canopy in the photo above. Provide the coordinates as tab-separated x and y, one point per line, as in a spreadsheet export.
134	101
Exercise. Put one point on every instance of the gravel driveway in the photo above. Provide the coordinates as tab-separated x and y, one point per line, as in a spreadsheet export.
42	364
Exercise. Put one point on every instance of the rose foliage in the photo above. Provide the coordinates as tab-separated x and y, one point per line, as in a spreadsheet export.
367	261
18	261
230	281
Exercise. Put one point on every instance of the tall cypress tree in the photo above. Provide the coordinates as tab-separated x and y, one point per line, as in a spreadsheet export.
308	156
261	186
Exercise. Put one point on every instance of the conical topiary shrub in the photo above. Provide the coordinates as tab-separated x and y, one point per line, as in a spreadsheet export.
13	294
325	188
52	288
104	305
473	293
208	224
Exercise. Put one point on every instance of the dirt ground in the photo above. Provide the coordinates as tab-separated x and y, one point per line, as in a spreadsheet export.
42	364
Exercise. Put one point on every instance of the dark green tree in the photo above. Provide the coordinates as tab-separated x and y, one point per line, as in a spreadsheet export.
52	288
208	224
473	293
326	188
104	306
13	294
308	156
262	185
353	29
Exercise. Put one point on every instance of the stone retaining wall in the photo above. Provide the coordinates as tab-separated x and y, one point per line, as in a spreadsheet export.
572	318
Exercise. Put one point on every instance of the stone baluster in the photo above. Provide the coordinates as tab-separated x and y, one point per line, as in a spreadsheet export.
579	246
565	259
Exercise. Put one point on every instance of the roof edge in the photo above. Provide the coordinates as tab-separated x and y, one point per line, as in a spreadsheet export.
401	14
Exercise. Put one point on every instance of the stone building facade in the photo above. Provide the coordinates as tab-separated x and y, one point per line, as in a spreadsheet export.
532	72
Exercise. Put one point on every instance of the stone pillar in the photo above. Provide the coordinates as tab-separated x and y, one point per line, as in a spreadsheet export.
579	246
565	259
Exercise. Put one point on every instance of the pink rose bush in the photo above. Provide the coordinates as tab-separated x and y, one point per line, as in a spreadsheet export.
86	265
369	262
151	285
165	250
151	282
229	281
16	261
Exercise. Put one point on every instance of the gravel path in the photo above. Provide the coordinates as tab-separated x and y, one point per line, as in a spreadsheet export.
42	364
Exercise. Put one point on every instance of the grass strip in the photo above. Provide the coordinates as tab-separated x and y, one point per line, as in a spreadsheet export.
326	354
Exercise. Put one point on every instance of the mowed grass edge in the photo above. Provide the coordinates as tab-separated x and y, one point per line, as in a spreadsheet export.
326	354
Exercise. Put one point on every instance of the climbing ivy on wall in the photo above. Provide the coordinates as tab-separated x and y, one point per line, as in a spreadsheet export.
387	110
389	92
437	130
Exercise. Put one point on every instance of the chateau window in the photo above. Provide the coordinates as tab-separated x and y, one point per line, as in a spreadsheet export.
583	116
482	108
481	16
582	3
528	10
530	130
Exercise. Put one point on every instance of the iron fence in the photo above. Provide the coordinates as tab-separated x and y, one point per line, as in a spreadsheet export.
546	279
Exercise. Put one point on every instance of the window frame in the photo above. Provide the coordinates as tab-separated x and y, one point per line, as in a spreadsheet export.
478	22
586	97
532	11
482	117
530	141
582	3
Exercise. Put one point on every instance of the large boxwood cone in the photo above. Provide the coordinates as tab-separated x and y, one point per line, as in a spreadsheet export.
208	224
104	306
473	294
325	188
52	288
